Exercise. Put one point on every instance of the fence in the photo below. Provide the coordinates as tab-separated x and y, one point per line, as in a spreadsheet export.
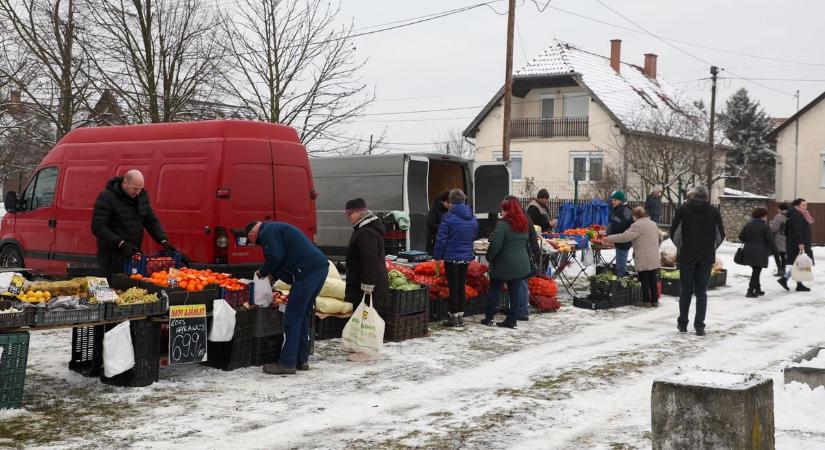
668	209
817	210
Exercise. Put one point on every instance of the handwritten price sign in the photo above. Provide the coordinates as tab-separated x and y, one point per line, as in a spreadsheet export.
187	334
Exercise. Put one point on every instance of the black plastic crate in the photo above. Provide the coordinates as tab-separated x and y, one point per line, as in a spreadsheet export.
94	313
475	305
718	279
266	350
331	327
596	302
403	302
87	350
13	362
146	265
401	328
439	309
237	353
114	311
615	292
146	342
14	320
236	299
671	287
267	321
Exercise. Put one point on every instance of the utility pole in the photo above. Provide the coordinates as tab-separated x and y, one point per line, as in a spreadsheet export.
796	151
369	149
508	83
714	71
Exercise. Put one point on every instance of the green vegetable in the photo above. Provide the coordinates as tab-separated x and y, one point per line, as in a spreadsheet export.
395	274
396	283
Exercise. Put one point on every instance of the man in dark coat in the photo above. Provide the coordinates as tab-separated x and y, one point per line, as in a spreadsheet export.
120	214
539	213
366	266
437	210
621	217
653	205
697	231
758	244
291	257
797	239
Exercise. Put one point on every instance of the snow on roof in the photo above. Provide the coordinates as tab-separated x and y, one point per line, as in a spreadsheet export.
742	194
630	95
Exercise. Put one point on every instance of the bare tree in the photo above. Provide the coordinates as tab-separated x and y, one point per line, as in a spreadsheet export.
453	143
161	58
40	58
293	65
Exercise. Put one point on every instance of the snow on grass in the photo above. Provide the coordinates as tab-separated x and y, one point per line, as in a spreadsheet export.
572	379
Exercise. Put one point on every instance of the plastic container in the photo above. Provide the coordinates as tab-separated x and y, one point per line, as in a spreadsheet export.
14	320
147	265
114	311
401	328
13	368
267	322
331	327
87	350
146	342
266	350
404	302
236	299
43	316
439	309
237	353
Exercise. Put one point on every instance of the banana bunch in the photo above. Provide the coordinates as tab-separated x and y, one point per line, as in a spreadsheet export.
134	296
34	296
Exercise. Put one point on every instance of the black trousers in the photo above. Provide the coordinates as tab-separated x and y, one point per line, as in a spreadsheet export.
754	284
456	279
650	285
780	261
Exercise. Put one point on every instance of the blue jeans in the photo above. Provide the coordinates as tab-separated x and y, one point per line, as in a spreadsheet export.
621	261
516	289
694	279
297	316
524	301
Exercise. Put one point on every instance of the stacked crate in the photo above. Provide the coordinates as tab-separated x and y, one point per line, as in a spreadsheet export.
405	313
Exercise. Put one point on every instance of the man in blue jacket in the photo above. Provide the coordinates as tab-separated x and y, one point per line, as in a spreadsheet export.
292	258
621	217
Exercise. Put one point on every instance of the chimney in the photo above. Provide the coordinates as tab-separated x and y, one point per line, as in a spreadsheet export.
615	54
14	97
650	66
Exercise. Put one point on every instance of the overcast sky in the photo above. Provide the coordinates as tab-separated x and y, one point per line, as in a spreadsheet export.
458	61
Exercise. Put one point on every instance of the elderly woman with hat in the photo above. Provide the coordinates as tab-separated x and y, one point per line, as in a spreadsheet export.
366	269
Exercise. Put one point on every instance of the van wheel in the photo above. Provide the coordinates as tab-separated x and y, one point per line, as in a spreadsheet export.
10	256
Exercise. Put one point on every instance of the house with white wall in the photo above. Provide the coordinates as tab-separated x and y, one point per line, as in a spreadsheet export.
575	112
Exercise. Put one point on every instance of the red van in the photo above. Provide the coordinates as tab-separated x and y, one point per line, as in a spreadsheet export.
205	180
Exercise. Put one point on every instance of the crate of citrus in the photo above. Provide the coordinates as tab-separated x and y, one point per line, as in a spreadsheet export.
187	286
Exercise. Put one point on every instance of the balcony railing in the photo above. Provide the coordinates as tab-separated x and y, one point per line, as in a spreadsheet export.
549	128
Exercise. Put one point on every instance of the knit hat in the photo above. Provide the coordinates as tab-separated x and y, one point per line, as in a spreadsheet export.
618	195
355	205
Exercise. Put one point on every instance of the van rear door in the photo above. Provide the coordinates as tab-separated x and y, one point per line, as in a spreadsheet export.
293	187
245	193
491	183
417	200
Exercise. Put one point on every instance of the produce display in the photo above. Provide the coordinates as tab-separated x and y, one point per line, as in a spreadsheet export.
136	296
669	274
608	278
76	286
542	286
279	298
34	296
400	282
561	245
329	301
425	273
191	279
10	310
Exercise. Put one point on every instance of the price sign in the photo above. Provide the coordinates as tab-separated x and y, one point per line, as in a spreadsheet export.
187	334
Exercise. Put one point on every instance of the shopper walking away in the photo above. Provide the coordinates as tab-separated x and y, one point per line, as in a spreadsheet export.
121	213
653	205
777	225
539	212
454	246
291	257
534	251
697	231
645	236
509	261
620	219
797	239
437	210
758	244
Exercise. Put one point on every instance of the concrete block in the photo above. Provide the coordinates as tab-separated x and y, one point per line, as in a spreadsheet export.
712	410
812	376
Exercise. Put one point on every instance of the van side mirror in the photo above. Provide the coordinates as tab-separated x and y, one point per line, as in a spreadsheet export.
10	202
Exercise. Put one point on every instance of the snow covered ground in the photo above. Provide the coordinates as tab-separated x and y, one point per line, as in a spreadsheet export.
572	379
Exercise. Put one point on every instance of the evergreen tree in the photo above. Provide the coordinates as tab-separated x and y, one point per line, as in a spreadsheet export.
751	164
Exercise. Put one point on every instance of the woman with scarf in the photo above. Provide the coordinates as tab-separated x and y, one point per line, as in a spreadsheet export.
798	239
509	262
758	244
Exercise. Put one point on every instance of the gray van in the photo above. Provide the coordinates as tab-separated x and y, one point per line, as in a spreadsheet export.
407	182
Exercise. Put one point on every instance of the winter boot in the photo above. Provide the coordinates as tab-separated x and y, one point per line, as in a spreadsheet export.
506	324
751	294
784	283
802	288
460	319
302	366
780	272
760	292
452	321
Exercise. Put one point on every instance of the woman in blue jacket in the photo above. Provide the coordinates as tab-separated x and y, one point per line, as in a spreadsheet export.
454	245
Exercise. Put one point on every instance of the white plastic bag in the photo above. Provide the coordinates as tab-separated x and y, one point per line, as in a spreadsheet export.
263	291
118	352
802	268
364	333
223	322
587	259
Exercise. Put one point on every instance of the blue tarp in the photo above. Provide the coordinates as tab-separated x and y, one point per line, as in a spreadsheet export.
596	212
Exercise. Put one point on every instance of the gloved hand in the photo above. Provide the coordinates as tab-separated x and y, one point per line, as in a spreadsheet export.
128	249
169	247
367	288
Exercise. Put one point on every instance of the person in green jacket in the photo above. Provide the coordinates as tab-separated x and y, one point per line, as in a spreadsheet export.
509	261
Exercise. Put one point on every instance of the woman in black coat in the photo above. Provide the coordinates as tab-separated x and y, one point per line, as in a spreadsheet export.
797	239
759	245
